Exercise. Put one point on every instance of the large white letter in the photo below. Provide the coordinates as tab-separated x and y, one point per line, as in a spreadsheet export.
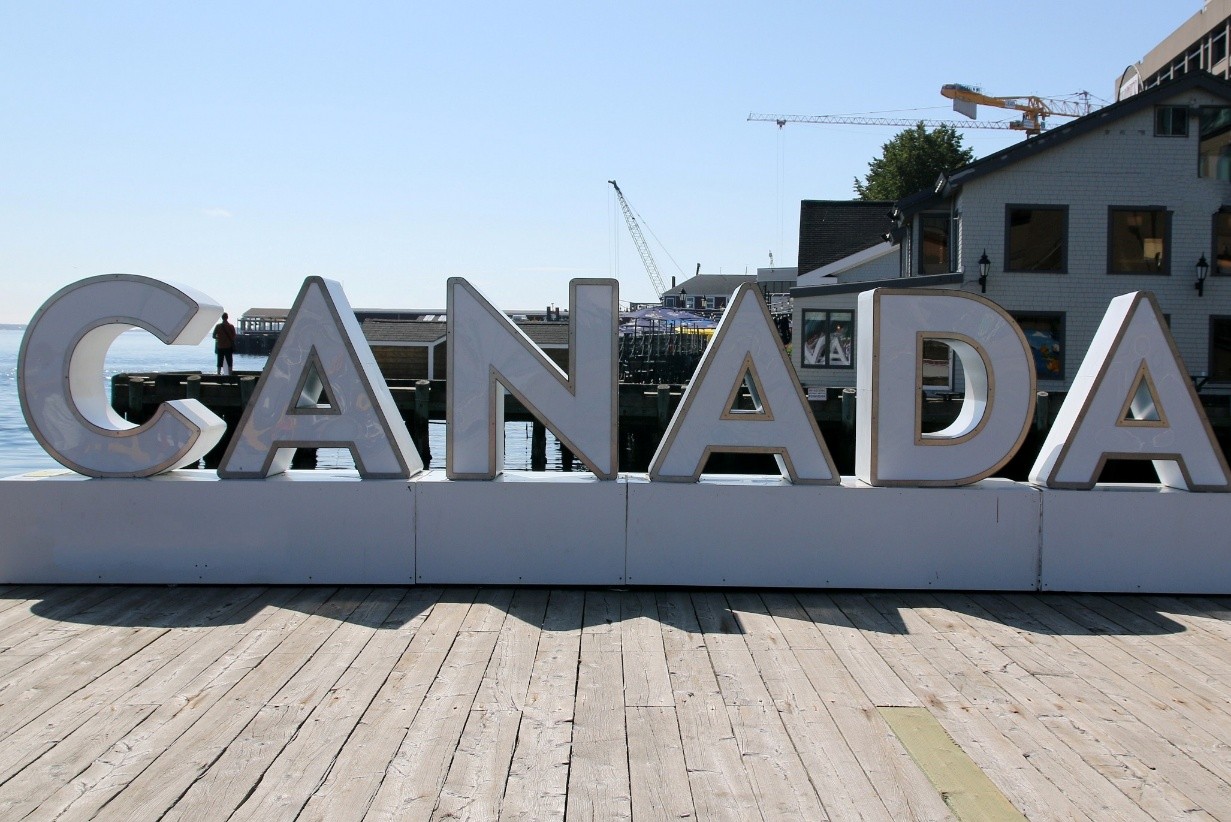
1132	399
60	377
746	352
891	447
321	348
488	354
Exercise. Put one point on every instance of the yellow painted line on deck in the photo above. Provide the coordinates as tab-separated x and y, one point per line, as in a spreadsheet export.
964	786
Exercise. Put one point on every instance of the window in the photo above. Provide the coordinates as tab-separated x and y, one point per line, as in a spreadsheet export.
934	244
1214	151
1045	334
1036	238
1222	244
1218	48
1138	240
829	339
1220	349
1170	121
937	365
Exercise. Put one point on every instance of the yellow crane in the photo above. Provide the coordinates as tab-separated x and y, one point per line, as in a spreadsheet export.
1035	110
966	100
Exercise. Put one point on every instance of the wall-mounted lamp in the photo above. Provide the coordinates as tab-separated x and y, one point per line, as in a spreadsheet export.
1203	270
985	266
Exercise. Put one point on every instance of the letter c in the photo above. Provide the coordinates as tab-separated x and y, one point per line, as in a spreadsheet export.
60	377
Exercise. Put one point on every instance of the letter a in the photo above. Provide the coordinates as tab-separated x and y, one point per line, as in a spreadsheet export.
488	355
321	348
1132	399
746	353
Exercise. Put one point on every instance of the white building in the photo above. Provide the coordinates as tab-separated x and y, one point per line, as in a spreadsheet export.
1130	198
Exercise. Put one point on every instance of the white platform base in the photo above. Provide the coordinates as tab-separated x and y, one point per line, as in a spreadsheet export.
302	527
521	529
560	529
767	532
1136	538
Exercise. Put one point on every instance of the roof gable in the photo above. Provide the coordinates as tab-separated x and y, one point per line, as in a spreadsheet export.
830	230
1103	118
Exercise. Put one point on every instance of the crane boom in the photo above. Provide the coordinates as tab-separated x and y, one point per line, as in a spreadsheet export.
1035	110
647	258
859	120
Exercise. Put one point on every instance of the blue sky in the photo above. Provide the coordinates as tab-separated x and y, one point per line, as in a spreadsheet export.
240	147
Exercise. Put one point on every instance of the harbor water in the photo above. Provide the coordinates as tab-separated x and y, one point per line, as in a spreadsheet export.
138	352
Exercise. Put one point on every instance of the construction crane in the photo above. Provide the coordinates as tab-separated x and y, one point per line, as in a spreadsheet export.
1035	110
647	258
966	100
860	120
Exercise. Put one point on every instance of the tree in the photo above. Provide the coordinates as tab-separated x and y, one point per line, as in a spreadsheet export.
911	162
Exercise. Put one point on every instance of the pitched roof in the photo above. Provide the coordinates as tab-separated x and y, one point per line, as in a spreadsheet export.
427	332
830	230
403	331
704	285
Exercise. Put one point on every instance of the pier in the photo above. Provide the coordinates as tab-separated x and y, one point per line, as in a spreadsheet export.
495	703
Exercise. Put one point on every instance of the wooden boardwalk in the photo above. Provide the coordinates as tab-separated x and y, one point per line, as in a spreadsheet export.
137	703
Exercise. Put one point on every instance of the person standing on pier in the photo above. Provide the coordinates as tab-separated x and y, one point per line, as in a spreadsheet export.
224	344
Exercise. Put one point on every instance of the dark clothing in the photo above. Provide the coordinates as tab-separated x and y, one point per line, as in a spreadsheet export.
224	344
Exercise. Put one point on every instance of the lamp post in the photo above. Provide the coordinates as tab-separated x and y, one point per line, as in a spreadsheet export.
1203	270
985	266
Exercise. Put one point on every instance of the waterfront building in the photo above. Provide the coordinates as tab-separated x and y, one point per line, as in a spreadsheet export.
1136	196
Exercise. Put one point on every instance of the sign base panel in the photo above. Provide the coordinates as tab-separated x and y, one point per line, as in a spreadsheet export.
188	526
333	528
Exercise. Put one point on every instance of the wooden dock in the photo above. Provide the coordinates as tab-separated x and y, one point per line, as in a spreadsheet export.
139	703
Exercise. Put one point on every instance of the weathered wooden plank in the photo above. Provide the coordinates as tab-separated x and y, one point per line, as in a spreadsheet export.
184	690
538	773
359	769
111	658
302	765
778	775
508	675
877	680
1079	761
489	609
413	778
1034	770
658	776
475	784
853	678
1153	699
839	779
61	740
1079	681
242	765
160	785
646	681
720	785
598	779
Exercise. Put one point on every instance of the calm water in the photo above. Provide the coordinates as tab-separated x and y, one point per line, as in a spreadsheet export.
139	352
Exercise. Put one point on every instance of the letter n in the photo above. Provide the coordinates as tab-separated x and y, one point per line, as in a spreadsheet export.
489	355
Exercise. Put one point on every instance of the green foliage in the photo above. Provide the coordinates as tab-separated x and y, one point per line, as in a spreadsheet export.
911	162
